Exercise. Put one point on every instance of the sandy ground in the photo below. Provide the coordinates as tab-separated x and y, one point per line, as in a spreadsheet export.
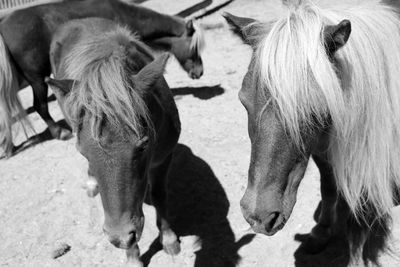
42	203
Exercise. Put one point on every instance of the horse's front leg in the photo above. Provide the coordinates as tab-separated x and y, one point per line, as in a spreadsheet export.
158	184
133	256
40	105
323	231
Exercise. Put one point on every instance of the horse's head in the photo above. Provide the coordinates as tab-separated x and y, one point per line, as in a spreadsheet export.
117	146
279	158
187	48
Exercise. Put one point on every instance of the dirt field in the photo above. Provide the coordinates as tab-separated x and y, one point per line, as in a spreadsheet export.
42	203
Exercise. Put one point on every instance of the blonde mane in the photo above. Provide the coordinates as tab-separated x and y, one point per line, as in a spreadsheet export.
104	89
359	91
198	42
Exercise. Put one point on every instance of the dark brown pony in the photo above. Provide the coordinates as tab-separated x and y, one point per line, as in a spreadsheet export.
115	98
25	38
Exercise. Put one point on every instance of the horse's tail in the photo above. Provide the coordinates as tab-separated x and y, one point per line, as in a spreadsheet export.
10	105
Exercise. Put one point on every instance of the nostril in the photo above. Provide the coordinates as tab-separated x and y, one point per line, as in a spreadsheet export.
116	242
123	242
271	221
253	219
131	238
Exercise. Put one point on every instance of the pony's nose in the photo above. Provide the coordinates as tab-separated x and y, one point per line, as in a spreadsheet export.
263	222
268	226
201	72
124	241
250	217
196	73
273	222
194	76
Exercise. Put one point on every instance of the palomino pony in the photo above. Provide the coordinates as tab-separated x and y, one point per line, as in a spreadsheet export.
322	83
127	125
25	42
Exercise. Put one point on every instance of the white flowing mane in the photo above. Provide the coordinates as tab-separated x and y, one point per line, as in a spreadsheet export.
198	42
360	91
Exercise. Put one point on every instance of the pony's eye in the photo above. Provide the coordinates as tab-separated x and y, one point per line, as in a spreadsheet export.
142	144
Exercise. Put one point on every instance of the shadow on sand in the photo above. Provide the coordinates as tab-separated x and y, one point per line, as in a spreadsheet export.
203	93
199	206
370	240
192	9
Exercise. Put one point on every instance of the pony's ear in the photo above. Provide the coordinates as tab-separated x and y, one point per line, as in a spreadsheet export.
190	27
336	36
150	73
241	26
60	87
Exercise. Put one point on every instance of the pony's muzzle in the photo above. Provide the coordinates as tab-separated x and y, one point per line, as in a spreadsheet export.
196	73
262	221
121	240
126	236
268	226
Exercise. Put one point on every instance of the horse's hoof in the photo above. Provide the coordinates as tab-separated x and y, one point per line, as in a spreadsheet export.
170	243
8	151
65	134
92	187
172	249
6	155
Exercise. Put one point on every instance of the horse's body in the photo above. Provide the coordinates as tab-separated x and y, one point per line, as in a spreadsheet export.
25	42
323	83
125	119
7	7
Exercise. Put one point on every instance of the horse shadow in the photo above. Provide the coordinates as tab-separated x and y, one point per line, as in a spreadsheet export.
203	93
199	206
369	238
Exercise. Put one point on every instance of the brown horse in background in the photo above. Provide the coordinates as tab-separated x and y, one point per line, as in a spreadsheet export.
25	38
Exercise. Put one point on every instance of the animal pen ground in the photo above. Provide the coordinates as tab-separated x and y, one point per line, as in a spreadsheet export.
43	204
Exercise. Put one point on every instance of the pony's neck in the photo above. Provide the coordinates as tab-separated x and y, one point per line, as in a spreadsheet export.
147	23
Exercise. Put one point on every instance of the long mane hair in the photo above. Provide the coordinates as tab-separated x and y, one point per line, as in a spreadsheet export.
359	91
104	89
198	42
